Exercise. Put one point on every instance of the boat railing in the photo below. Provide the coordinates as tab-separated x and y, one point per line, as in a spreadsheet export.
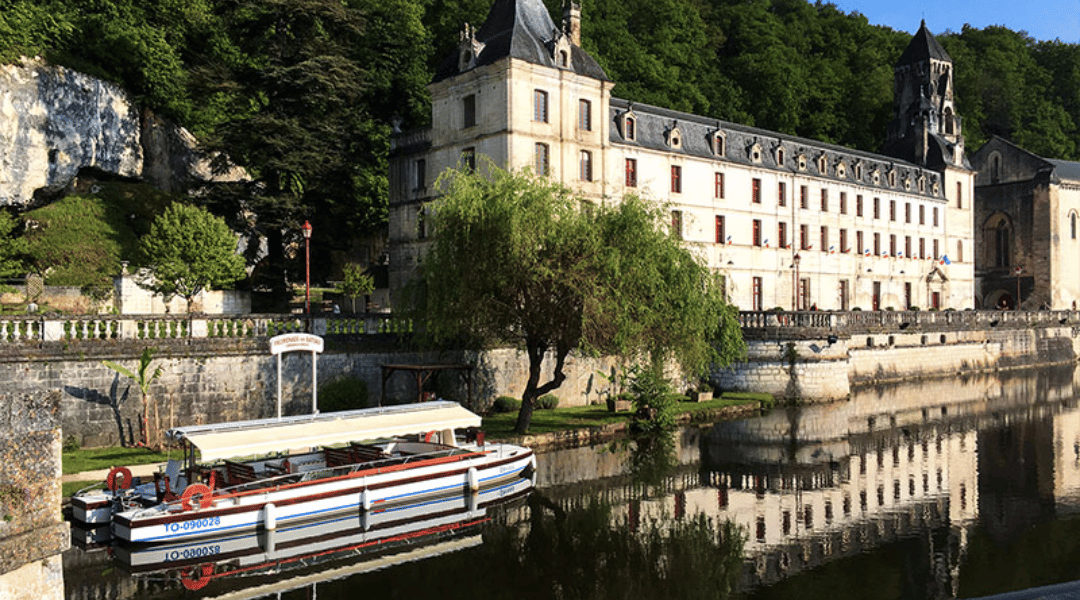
313	475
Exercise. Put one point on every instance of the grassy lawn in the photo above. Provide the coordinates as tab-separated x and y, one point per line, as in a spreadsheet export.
583	417
91	459
70	487
496	427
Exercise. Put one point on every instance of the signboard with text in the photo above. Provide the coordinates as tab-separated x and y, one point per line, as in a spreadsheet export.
295	342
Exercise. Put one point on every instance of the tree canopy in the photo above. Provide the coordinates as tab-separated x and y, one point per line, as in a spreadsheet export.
521	260
189	250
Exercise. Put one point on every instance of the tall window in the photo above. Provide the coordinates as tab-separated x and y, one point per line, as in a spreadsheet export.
907	246
676	179
781	234
541	159
720	229
804	198
877	208
719	185
631	172
781	193
859	246
1001	244
843	291
892	210
959	251
935	216
937	253
824	238
922	215
759	304
755	191
540	106
631	129
586	165
858	205
468	159
843	242
824	200
468	105
922	247
907	212
959	195
877	244
804	237
421	174
1072	226
892	245
757	232
843	203
676	224
584	120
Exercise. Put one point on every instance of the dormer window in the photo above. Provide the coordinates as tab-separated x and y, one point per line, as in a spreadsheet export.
564	58
822	164
627	121
780	156
922	184
892	178
755	152
841	170
718	143
560	51
802	162
858	171
876	176
468	48
674	137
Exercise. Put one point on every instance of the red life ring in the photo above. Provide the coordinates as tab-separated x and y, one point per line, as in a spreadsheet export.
196	578
198	492
125	482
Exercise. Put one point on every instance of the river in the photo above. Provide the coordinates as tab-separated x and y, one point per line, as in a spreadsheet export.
955	488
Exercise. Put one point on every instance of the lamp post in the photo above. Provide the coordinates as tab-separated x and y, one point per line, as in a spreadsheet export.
306	229
1018	271
795	282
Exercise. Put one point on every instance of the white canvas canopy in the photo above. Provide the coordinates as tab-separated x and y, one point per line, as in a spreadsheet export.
247	438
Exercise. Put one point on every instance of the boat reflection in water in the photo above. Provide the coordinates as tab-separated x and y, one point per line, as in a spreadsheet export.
301	554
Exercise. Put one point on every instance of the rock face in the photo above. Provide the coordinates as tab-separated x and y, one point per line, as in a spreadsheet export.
55	122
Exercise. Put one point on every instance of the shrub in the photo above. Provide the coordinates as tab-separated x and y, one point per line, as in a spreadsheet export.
654	404
505	404
347	393
547	402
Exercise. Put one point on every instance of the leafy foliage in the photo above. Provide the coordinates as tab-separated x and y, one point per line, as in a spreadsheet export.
518	261
356	283
143	378
346	393
189	250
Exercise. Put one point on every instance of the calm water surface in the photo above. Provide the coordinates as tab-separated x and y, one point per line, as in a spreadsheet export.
944	489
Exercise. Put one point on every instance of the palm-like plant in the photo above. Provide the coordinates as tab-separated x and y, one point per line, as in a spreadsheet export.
142	377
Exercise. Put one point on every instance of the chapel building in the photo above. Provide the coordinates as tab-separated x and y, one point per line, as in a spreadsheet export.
789	222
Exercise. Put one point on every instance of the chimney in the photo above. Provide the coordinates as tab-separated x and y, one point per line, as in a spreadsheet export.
572	21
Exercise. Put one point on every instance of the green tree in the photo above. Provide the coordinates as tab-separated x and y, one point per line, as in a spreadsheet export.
12	249
356	283
518	261
143	378
189	250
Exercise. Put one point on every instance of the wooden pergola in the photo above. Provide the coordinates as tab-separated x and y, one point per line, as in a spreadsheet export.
424	372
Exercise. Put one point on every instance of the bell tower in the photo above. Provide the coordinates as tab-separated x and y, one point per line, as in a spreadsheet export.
926	129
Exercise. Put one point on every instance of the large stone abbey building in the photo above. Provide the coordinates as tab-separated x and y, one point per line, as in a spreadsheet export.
789	222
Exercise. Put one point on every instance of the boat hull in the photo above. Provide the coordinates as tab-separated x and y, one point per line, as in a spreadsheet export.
363	490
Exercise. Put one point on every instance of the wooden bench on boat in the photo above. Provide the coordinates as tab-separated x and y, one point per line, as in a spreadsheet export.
352	454
238	473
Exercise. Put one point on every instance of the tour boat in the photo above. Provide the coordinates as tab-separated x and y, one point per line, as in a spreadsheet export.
379	534
304	468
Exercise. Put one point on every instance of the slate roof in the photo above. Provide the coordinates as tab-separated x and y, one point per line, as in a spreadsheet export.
653	124
922	47
521	29
1065	169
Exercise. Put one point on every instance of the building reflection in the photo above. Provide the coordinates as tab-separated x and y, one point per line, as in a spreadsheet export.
808	485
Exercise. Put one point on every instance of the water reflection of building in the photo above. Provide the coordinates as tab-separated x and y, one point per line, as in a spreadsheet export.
916	462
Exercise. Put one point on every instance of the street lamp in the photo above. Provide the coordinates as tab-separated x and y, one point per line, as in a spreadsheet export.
306	229
1019	270
795	282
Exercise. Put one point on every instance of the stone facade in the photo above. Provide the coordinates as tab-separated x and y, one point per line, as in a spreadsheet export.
1026	229
789	222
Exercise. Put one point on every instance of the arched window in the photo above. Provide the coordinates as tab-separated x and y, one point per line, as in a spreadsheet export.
1001	244
948	121
631	134
995	168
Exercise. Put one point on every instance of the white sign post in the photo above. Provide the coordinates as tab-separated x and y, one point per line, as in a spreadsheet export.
297	342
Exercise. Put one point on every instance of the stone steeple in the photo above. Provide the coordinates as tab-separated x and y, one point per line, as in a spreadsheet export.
926	129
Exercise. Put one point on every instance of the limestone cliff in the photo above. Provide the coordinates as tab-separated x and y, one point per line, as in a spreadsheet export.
55	122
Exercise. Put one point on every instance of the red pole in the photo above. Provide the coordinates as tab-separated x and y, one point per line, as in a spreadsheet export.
306	228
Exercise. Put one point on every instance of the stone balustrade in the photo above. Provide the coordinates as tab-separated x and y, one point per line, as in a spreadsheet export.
37	329
757	324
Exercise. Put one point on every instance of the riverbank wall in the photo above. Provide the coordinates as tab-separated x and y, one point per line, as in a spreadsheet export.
822	356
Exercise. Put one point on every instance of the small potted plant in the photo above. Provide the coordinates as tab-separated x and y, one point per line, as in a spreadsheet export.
702	393
619	402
